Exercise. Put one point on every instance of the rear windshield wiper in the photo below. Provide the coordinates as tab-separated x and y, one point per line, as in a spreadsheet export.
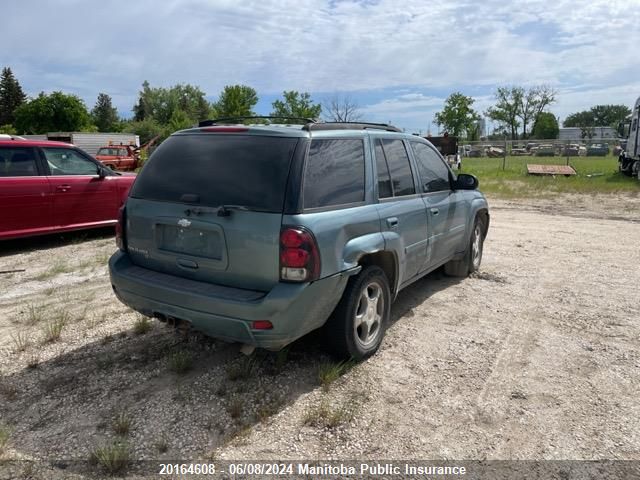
221	211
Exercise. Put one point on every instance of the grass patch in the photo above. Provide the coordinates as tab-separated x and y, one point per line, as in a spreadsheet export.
53	328
21	341
35	313
326	415
113	458
121	423
33	361
594	175
235	408
162	444
142	325
180	362
5	434
329	372
244	369
102	259
58	267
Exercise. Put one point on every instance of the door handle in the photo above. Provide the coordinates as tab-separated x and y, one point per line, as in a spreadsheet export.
63	188
392	222
435	211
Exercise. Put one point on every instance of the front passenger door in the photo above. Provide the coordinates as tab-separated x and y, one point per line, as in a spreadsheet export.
445	207
81	197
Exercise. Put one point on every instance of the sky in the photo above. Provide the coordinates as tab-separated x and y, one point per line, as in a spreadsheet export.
398	60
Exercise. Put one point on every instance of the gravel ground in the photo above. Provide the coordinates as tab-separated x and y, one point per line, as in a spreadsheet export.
535	357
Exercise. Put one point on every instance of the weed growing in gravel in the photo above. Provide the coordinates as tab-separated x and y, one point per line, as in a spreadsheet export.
142	325
5	433
60	266
244	369
329	372
281	358
35	313
180	362
21	341
162	444
235	407
53	328
328	416
102	259
113	457
33	361
96	319
121	423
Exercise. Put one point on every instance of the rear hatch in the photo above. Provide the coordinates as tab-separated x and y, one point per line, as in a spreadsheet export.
208	207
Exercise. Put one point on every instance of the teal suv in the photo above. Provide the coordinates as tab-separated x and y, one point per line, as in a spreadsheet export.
262	233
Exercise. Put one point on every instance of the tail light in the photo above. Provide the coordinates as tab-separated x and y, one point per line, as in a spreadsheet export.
299	255
121	232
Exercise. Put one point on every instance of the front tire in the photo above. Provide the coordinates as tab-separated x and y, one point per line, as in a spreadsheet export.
472	256
356	327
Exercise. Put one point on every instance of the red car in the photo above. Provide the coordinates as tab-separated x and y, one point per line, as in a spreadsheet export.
48	187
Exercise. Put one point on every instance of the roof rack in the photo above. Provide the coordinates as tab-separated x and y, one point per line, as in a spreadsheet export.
351	126
216	121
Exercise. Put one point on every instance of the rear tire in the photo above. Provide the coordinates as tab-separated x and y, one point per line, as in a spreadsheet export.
356	327
472	255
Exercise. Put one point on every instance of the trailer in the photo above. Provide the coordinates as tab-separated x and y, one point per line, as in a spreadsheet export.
629	159
91	142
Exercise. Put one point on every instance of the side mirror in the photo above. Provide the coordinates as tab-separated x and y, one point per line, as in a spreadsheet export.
466	182
101	172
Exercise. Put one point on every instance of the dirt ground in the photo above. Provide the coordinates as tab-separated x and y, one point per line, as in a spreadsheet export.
535	357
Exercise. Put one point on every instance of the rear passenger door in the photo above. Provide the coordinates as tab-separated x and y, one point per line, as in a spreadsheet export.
402	213
445	207
25	194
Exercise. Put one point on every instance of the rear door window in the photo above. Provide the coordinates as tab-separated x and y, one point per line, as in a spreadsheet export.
334	173
434	174
18	162
384	179
213	170
399	167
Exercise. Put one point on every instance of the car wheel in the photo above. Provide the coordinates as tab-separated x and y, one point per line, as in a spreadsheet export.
356	327
472	256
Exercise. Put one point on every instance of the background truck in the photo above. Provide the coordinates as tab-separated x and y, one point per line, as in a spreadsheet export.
123	157
448	147
629	159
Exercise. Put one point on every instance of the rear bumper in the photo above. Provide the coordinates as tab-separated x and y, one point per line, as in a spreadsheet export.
225	312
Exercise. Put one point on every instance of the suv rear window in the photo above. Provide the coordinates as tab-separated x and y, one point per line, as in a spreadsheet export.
245	170
334	173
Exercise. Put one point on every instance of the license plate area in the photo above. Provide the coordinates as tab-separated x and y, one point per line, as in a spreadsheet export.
195	241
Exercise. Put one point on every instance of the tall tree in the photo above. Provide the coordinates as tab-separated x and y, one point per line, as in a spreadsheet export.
545	126
161	103
104	114
457	116
507	108
342	108
50	113
296	104
517	107
598	116
236	101
11	96
579	119
534	102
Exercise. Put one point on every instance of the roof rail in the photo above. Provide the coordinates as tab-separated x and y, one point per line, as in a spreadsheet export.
216	121
351	126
